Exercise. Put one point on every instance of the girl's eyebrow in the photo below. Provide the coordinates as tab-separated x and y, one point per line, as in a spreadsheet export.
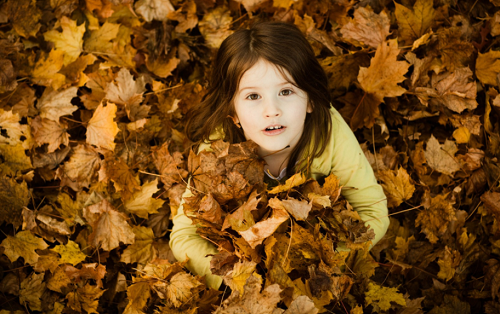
254	87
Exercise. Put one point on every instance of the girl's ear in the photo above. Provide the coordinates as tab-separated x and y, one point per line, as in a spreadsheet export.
236	121
309	107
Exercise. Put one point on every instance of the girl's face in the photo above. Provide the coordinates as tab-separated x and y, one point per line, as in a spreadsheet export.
270	109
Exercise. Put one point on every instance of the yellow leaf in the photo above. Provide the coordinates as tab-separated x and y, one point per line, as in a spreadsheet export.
319	200
137	295
161	66
488	67
102	128
13	197
142	202
448	263
154	9
414	23
50	132
381	297
241	272
421	41
286	4
70	253
59	280
295	180
54	104
442	157
142	250
368	28
109	227
116	170
23	244
298	209
462	135
215	26
179	289
31	291
70	40
46	68
437	218
24	16
263	229
100	40
397	186
385	72
85	298
9	122
81	166
14	160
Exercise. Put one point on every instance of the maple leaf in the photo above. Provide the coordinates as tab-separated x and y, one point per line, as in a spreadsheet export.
54	104
211	211
142	250
298	209
154	9
129	93
295	180
397	186
85	298
179	289
237	278
491	201
50	132
361	110
436	219
343	70
116	170
100	39
70	40
23	244
242	219
142	202
381	297
70	253
302	305
368	28
24	16
14	160
137	295
81	167
215	26
253	300
88	271
451	304
8	80
384	73
58	280
264	228
163	66
442	157
448	263
488	67
109	227
186	16
414	23
74	71
454	51
46	68
101	129
170	166
9	122
31	291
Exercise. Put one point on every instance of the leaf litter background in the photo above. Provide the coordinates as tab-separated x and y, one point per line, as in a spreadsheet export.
93	160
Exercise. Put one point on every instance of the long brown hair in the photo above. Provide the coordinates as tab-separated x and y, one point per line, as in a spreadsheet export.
283	45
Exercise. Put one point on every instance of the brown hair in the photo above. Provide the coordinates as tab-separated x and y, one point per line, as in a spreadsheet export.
283	45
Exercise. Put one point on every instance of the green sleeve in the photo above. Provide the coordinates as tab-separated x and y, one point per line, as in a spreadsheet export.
360	187
186	243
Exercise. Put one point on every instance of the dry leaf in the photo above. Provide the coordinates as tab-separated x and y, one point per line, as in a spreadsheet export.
23	244
397	186
367	27
70	253
488	67
381	297
263	229
154	9
102	128
414	23
215	26
442	157
142	202
70	40
142	250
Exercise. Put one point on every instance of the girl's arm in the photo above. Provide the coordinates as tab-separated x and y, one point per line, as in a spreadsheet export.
186	243
347	161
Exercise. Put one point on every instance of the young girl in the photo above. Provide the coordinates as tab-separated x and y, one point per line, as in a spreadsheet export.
267	86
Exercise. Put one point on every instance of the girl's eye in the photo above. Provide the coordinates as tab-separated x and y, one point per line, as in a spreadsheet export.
286	92
253	97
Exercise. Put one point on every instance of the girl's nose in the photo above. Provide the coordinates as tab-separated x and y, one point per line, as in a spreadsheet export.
272	109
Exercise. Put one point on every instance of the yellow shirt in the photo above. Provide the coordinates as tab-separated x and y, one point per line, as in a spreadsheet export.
343	157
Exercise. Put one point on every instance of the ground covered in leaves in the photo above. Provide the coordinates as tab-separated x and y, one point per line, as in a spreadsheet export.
93	161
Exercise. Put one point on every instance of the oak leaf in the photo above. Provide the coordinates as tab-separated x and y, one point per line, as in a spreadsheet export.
23	244
70	40
381	297
154	9
46	70
384	73
102	128
215	26
109	227
50	132
397	186
85	298
264	228
488	67
142	250
367	27
414	23
442	157
54	104
31	291
70	253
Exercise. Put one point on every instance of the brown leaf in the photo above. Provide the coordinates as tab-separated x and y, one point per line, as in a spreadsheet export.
137	295
80	170
47	131
414	23
24	16
397	186
116	170
85	298
302	305
298	209
215	26
170	166
142	202
360	110
295	180
102	129
109	227
55	104
263	229
31	291
23	244
442	157
142	250
435	221
367	27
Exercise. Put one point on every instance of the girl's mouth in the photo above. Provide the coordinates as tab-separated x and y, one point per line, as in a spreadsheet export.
274	130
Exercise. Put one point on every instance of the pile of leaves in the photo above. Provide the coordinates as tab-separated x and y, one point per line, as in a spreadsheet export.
93	98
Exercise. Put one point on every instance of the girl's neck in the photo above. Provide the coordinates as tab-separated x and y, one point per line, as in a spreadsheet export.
276	162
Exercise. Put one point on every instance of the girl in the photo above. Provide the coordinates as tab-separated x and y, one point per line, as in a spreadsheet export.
267	86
